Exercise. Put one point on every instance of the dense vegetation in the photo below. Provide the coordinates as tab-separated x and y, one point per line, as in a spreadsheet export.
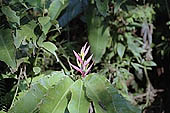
84	56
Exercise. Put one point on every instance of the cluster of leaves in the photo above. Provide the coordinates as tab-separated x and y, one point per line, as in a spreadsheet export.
28	32
58	93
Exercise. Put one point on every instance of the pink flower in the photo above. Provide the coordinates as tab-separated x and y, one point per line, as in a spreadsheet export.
83	65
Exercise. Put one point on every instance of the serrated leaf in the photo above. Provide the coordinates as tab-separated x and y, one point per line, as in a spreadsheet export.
56	7
98	36
120	50
45	23
102	93
102	6
7	48
30	101
51	48
10	14
78	102
55	100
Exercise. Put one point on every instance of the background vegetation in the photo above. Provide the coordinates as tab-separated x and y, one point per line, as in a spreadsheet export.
129	40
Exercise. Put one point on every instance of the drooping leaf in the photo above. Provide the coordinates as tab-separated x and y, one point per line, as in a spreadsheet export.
56	7
98	36
45	23
120	50
78	102
7	48
51	48
105	97
55	100
10	14
102	6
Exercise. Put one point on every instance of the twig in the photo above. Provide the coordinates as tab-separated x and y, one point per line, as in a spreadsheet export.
21	72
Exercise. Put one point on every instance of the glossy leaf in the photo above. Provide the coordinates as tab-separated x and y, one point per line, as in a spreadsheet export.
98	36
102	93
55	100
120	50
56	7
10	14
7	48
78	102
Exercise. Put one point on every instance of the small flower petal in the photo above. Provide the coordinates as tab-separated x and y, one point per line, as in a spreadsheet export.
87	50
88	60
88	69
78	57
76	68
83	48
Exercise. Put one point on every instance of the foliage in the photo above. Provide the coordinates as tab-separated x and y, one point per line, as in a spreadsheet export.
33	44
46	96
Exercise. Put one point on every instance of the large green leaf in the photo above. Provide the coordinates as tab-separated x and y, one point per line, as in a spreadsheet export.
78	102
7	48
103	6
30	101
97	36
106	99
56	7
10	14
55	100
35	94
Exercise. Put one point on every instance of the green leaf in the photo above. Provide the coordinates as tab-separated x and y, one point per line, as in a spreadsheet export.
30	100
7	48
26	33
98	36
137	66
3	112
55	100
120	50
36	70
51	48
78	102
118	3
149	63
45	23
56	7
106	99
35	94
102	6
10	14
